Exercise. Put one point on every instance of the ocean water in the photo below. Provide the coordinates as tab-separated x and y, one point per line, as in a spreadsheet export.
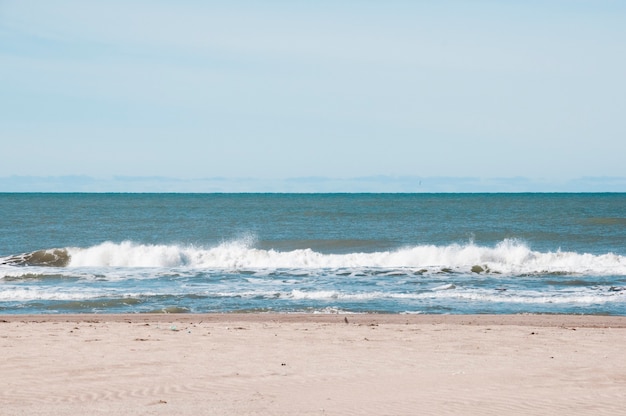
314	253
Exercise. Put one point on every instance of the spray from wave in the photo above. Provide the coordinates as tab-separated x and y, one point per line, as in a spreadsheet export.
507	257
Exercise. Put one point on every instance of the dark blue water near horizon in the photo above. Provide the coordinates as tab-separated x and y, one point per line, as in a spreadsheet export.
318	253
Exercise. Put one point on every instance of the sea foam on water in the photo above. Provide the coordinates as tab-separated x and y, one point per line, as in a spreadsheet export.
509	257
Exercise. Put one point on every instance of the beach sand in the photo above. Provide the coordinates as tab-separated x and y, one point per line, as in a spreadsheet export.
272	364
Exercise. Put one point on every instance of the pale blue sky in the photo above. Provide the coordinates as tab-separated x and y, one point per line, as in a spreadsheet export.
306	96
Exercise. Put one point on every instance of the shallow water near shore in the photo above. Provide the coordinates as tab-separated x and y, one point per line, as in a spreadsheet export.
315	253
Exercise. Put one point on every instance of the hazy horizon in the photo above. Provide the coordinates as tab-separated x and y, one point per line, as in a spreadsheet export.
373	184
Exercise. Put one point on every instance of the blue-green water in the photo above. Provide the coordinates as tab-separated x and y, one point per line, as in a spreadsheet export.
393	253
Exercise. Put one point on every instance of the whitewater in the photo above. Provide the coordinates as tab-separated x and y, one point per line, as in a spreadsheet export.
507	257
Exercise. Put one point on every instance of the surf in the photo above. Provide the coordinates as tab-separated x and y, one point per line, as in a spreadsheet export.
507	257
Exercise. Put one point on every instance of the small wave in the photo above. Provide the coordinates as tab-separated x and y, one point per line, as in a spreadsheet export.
449	286
439	294
32	293
509	257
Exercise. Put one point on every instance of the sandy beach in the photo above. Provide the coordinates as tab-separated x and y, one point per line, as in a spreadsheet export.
272	364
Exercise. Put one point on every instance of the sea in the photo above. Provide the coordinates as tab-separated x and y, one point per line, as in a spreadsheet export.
313	253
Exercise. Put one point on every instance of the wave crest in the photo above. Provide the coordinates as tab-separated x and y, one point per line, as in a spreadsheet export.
507	257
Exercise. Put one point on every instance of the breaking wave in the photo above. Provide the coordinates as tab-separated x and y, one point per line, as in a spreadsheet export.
507	257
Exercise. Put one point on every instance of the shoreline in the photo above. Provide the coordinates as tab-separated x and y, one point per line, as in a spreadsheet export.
312	364
542	320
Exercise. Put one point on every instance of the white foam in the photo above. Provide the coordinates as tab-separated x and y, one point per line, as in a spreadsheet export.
508	257
528	297
523	296
34	293
128	254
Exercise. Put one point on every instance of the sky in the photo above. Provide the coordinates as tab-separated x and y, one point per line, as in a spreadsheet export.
294	96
